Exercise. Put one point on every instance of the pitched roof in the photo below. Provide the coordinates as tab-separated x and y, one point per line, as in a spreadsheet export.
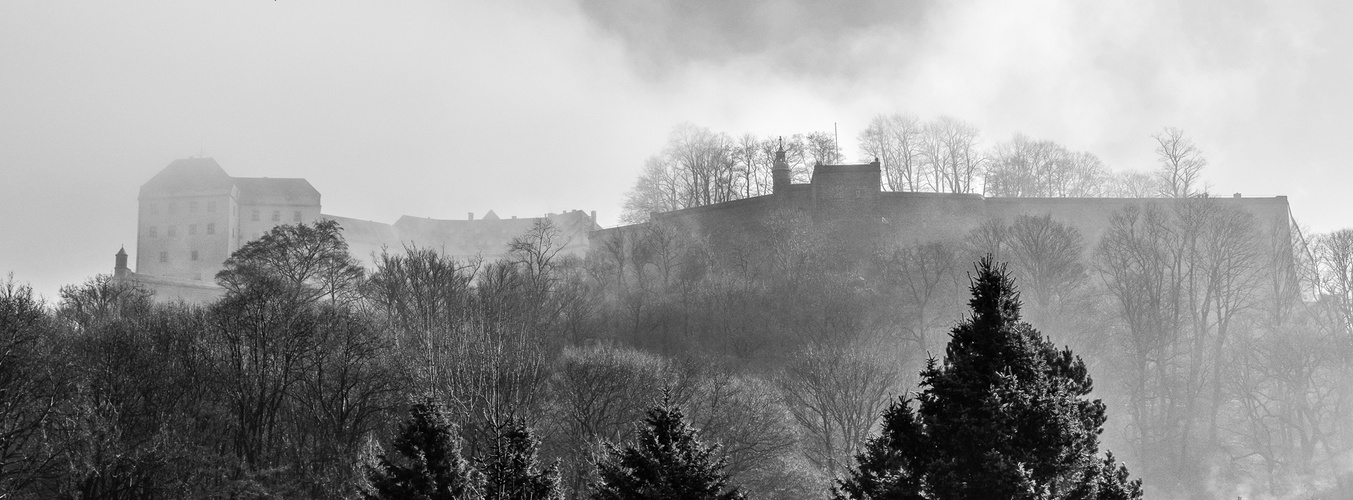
189	176
276	191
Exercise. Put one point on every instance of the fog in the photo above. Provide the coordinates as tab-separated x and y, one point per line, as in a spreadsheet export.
525	107
528	107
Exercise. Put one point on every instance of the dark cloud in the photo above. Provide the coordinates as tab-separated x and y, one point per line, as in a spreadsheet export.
800	38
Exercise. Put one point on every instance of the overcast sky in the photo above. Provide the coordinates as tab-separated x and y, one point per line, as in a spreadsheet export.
436	109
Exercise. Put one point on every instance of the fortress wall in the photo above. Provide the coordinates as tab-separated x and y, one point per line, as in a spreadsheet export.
1092	216
907	219
917	218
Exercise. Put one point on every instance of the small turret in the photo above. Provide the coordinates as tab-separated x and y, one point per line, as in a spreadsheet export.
120	263
779	173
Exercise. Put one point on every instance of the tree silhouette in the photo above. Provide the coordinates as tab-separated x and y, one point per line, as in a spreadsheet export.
1004	416
666	461
513	472
428	465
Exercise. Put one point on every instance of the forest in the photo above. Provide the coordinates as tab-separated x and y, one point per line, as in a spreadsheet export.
1221	356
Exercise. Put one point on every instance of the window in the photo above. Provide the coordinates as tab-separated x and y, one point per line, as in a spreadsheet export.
173	207
296	216
192	206
211	206
277	216
194	254
192	229
154	232
255	214
211	228
173	230
164	256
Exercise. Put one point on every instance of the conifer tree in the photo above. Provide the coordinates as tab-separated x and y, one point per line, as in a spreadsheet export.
427	464
1006	415
666	462
512	471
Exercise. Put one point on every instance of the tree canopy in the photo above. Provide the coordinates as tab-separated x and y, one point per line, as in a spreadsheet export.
666	461
1005	415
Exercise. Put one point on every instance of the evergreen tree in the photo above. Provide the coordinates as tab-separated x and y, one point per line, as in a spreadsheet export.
428	465
512	471
1004	416
666	462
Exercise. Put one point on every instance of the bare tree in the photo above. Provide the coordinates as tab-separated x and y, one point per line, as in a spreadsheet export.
1132	184
598	392
821	148
926	292
30	389
895	140
1025	167
835	393
1181	163
307	262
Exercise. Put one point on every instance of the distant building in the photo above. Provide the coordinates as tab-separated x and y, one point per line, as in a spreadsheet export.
847	203
193	215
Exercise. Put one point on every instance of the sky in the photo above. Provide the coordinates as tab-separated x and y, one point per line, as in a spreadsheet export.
437	109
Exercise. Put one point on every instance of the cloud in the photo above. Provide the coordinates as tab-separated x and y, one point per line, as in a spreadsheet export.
801	38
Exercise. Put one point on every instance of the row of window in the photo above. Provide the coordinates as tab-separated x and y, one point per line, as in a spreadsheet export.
173	207
211	207
164	256
277	215
173	230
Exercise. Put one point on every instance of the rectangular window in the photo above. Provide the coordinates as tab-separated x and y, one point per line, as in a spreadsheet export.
173	207
194	254
211	206
255	214
277	216
211	228
173	230
192	229
164	256
154	232
192	206
296	216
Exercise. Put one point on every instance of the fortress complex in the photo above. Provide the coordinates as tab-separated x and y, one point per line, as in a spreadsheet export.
193	215
847	203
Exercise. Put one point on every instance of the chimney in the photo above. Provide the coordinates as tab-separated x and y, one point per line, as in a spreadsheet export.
120	264
594	216
470	217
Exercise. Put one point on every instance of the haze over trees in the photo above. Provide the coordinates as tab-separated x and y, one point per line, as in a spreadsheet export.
1221	355
1005	415
942	155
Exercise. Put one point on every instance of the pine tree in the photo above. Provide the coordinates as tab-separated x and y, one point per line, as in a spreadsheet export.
666	462
428	465
512	471
1005	416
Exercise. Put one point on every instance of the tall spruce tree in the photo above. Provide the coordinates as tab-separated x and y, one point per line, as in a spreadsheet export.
512	471
428	465
666	462
1006	415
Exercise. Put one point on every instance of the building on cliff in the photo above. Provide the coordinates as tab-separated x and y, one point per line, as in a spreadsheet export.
193	215
847	204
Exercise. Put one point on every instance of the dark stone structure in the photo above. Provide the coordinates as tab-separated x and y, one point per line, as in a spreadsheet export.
846	204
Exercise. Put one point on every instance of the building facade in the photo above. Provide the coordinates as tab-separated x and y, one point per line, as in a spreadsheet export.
193	215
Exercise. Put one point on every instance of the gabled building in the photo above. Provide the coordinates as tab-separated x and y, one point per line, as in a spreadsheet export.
192	215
